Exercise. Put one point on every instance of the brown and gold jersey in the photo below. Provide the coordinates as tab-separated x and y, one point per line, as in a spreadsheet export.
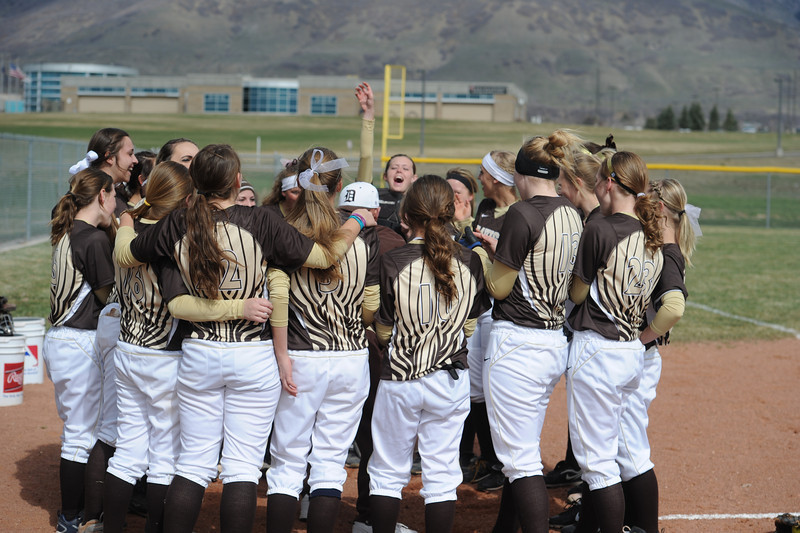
81	263
427	333
539	240
622	274
487	219
144	292
252	239
327	316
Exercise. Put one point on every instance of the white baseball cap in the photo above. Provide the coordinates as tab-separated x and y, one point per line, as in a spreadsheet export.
359	194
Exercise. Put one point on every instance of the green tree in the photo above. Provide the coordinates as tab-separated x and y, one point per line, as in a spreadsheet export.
683	121
651	123
666	119
730	123
713	119
697	121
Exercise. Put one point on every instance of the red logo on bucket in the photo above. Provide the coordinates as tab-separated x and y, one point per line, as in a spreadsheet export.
33	351
13	373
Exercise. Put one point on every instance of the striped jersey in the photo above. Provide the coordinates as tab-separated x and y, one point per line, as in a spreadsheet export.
81	263
144	292
540	240
427	333
672	279
327	316
252	239
622	274
487	219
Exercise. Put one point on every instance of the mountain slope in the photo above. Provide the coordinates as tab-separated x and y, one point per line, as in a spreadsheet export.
574	57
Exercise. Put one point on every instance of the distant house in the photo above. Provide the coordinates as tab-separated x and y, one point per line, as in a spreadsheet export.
43	81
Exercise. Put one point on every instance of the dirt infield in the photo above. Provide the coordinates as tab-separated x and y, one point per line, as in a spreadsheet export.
725	431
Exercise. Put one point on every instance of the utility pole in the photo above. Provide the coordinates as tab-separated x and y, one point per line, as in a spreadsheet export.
422	119
779	149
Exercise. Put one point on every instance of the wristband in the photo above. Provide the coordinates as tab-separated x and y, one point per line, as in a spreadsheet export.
358	218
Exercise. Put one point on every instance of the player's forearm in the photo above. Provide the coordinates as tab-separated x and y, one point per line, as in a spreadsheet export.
122	248
578	290
500	280
372	300
365	161
194	309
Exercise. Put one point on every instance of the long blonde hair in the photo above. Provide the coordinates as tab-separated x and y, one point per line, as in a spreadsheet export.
673	195
169	183
314	216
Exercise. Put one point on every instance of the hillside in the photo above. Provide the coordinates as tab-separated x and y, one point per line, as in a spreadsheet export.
574	57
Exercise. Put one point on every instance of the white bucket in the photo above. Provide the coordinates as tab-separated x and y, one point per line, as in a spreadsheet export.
33	329
12	363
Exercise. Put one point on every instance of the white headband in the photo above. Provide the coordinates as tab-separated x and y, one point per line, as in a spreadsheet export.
693	213
289	183
497	173
304	179
84	163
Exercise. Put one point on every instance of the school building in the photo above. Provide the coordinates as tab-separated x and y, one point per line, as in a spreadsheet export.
80	88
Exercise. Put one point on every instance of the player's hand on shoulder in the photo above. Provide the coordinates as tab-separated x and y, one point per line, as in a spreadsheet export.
125	219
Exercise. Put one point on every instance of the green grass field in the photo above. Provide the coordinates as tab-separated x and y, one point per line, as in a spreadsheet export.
748	272
742	269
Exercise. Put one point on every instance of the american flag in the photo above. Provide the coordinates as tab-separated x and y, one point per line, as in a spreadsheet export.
15	72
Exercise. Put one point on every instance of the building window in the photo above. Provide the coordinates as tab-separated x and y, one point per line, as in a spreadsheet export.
270	100
155	91
323	105
95	91
216	103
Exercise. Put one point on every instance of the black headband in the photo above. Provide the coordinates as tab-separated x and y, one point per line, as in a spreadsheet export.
527	167
464	181
616	178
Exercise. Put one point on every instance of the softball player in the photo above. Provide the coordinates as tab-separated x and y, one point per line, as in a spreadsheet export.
82	280
527	350
179	150
228	383
146	361
618	264
110	150
325	373
639	481
430	288
497	179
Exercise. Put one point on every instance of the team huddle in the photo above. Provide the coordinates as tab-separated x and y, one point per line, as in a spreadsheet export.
194	331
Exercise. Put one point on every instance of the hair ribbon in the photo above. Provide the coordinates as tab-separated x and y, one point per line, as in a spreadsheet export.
84	163
317	167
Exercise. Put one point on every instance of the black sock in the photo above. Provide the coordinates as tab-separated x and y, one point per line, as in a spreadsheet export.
466	448
384	511
71	479
609	508
281	510
322	513
439	516
587	522
641	501
156	494
569	458
484	432
506	521
237	510
116	496
532	503
182	505
95	477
